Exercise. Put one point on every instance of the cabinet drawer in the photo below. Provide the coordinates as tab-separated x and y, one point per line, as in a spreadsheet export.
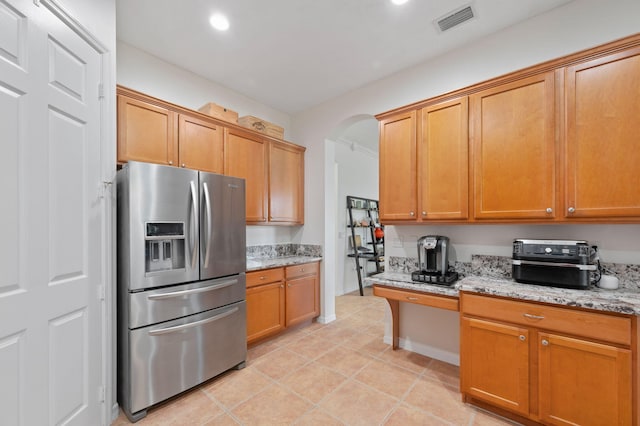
264	276
302	270
605	327
434	300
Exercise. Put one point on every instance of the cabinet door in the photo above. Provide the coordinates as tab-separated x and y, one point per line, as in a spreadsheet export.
246	157
443	178
513	150
583	382
286	183
265	310
602	158
398	178
201	144
146	132
302	299
494	363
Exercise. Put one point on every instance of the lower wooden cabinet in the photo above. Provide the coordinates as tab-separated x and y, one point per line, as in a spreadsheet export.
552	365
281	297
265	303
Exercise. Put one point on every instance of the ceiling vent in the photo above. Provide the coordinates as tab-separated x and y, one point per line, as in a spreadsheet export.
455	18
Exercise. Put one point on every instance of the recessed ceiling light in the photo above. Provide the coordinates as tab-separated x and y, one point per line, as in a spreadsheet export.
219	22
399	2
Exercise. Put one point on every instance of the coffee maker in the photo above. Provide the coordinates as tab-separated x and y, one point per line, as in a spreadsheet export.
433	261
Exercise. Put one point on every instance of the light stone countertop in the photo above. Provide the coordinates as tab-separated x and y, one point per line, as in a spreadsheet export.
624	301
255	264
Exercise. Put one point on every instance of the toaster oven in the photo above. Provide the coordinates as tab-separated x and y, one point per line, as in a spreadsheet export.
557	263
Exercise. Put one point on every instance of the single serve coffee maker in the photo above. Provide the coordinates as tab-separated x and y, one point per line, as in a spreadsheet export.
433	261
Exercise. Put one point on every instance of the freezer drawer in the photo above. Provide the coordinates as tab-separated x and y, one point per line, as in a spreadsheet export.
168	358
154	306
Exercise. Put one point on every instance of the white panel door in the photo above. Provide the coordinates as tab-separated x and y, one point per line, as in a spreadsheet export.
50	210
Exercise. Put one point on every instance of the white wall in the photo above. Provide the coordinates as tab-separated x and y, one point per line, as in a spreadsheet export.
357	176
578	25
149	74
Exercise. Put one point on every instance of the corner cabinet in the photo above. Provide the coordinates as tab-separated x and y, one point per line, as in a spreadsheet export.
514	150
602	152
281	297
547	363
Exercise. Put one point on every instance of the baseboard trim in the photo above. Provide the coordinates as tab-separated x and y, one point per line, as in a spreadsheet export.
427	350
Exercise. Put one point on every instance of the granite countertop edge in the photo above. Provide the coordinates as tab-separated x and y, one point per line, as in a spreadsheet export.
623	301
256	264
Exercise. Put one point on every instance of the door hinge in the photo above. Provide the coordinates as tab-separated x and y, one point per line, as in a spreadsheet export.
102	188
101	292
100	91
101	393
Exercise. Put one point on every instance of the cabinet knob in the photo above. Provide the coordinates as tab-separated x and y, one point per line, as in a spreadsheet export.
281	285
545	342
549	210
183	165
424	213
170	163
412	214
289	285
571	209
301	269
522	338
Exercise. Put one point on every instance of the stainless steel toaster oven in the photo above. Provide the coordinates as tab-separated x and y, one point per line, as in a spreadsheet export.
557	263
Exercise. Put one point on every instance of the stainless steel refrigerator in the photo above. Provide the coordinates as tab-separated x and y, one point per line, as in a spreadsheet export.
181	281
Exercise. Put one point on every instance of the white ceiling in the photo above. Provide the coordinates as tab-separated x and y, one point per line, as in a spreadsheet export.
294	54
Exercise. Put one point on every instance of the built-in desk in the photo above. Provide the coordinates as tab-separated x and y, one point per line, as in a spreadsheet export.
394	296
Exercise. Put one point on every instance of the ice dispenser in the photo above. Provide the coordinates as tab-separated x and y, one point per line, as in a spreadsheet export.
164	246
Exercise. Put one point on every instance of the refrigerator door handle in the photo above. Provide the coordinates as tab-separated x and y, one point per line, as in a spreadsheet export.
192	324
207	200
194	199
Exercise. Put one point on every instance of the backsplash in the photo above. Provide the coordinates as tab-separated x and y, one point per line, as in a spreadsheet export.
500	267
283	250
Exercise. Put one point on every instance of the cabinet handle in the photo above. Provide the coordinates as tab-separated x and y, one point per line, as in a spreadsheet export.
531	316
545	342
262	277
301	269
549	210
522	338
571	209
412	214
170	163
412	298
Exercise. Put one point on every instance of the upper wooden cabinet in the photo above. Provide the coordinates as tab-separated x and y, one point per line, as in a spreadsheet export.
146	132
200	144
286	183
556	142
514	150
398	173
602	133
155	131
443	160
424	164
246	157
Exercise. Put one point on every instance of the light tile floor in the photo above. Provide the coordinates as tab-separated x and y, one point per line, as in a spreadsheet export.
336	374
